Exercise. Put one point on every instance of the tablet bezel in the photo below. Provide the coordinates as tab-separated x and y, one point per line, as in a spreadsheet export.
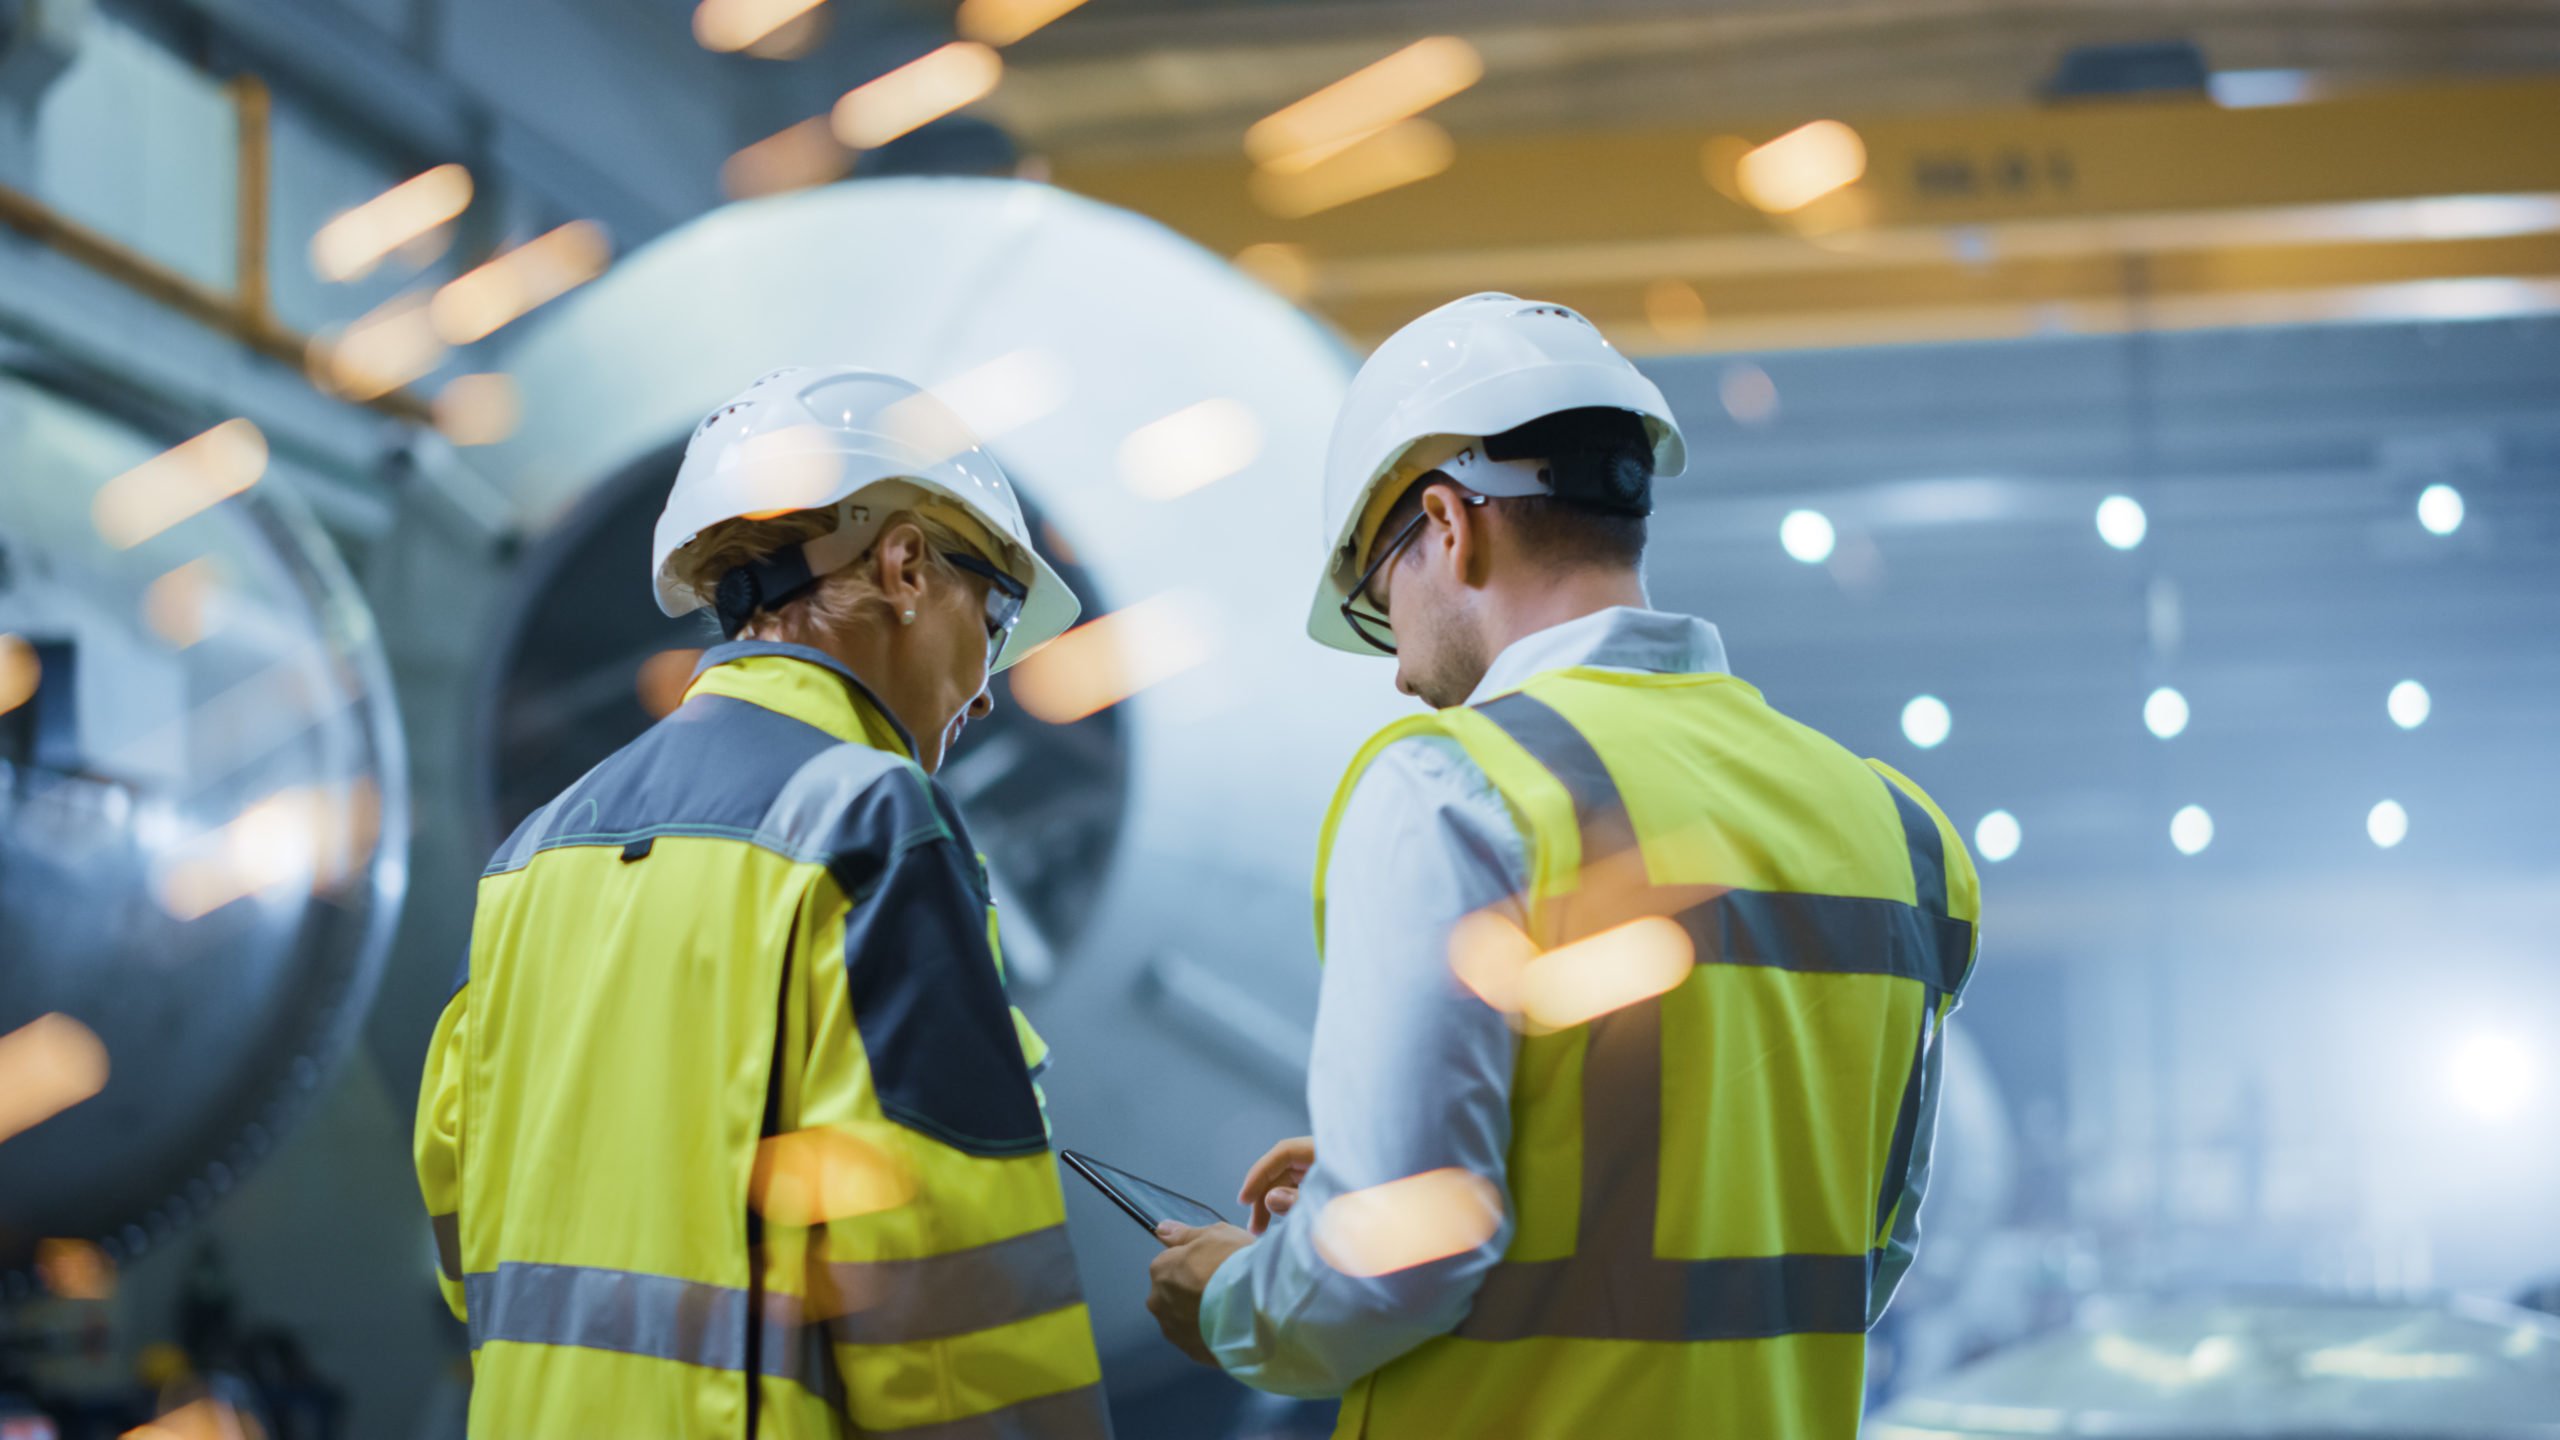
1086	1166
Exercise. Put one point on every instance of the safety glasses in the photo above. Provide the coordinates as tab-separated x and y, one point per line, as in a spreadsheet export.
1374	629
1004	599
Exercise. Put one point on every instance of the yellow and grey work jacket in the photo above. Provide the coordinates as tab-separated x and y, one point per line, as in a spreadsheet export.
1704	1178
728	1129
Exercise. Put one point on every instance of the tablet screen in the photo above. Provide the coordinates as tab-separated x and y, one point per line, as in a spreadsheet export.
1147	1202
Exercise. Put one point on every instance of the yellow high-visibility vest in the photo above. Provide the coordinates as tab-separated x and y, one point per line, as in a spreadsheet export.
729	1128
1701	1180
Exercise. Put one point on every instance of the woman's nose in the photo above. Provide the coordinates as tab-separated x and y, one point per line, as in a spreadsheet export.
982	703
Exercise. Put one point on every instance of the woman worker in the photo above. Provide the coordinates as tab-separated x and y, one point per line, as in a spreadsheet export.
728	1128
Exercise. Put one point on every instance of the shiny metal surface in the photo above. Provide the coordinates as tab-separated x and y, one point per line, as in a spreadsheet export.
2255	1369
203	821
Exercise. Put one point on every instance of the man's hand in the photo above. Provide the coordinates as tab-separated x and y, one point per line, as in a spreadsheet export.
1271	1186
1192	1253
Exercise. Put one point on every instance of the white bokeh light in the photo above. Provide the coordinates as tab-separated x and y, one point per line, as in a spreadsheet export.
1808	536
2490	1075
2121	522
2409	704
2387	823
2191	829
2440	509
2165	713
1996	836
1926	721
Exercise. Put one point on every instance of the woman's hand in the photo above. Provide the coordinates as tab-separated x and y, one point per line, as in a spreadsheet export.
1271	1186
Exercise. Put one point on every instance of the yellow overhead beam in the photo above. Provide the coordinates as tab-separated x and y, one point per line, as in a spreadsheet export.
2011	210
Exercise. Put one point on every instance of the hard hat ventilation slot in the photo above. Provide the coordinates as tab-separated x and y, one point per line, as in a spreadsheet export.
1559	311
716	416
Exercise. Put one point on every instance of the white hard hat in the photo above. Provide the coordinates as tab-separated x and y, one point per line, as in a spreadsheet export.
866	445
1472	368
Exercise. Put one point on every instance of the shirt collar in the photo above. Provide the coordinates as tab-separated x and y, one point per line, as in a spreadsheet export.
1618	638
745	670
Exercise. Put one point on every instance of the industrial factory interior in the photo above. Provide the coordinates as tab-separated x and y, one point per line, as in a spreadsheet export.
2131	428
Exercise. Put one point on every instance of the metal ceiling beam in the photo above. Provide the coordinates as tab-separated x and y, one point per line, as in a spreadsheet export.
2088	216
1189	77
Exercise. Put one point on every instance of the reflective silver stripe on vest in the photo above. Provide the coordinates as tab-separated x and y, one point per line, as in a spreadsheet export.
1928	853
884	1302
1829	935
658	1316
1598	811
893	1302
1078	1414
1787	930
1613	1287
1758	1297
798	1352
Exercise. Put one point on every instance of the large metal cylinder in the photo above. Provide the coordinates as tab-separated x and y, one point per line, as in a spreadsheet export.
203	818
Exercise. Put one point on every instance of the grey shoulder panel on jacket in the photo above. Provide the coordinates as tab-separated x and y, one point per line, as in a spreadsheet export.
721	768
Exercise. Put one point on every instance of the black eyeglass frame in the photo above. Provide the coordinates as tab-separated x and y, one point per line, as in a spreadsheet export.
1359	622
1004	598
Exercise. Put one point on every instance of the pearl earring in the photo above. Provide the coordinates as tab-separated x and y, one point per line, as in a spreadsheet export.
909	618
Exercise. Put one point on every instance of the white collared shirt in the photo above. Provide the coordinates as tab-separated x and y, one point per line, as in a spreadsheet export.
1410	1071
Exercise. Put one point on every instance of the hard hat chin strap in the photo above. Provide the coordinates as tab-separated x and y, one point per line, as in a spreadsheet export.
759	585
1604	467
1612	474
785	575
1507	478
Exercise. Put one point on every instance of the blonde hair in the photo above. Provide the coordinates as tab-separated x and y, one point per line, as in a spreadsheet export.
839	602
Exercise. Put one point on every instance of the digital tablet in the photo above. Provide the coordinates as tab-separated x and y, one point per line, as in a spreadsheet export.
1145	1201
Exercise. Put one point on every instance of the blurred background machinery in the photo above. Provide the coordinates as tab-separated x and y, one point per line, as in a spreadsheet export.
2140	423
2272	1365
198	787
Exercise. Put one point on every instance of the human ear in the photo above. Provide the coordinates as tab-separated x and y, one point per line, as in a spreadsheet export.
900	557
1462	527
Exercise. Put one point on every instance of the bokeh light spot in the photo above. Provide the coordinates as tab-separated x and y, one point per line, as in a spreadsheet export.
2121	521
1807	536
2409	704
2387	823
1408	1222
2440	509
2165	713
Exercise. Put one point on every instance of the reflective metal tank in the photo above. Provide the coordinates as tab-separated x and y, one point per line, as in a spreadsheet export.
203	818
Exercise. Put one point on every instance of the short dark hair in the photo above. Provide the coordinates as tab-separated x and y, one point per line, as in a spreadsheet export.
1568	535
1601	464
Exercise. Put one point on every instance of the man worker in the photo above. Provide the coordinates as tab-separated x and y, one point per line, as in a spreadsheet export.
727	1129
1700	1177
